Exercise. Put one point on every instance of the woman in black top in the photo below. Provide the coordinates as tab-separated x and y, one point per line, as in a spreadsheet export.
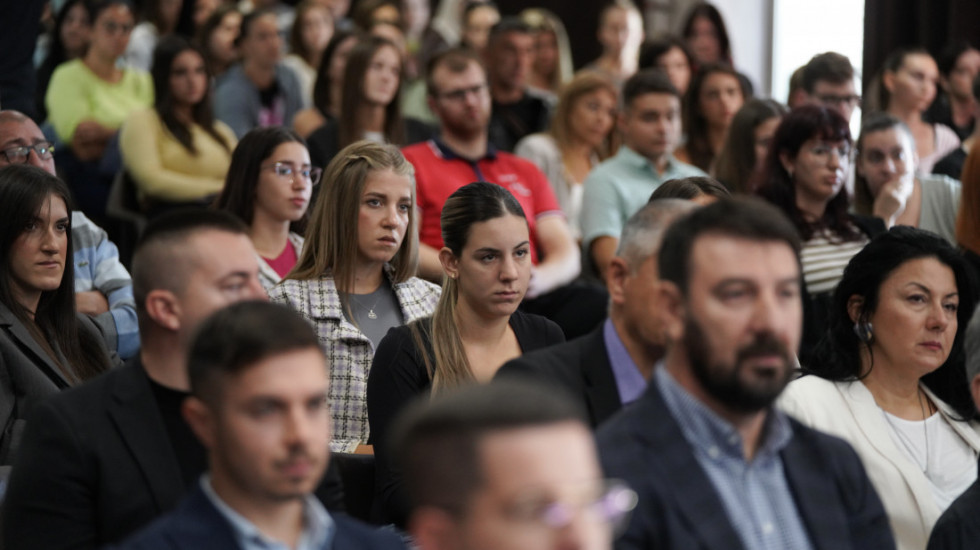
475	329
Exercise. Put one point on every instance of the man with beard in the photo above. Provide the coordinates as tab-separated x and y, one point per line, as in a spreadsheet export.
715	465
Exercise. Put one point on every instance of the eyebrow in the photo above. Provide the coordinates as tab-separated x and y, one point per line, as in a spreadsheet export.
491	249
291	163
926	289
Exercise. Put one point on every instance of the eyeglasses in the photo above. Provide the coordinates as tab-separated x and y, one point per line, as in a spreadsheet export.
609	503
18	155
286	170
112	27
833	100
460	95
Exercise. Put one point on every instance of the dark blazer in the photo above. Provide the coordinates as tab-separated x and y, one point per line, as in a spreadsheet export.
95	465
196	523
959	526
27	377
580	366
680	509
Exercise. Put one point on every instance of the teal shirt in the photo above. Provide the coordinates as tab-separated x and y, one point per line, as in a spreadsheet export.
619	187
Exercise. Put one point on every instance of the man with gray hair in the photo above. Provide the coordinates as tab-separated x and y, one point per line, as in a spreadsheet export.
959	526
610	367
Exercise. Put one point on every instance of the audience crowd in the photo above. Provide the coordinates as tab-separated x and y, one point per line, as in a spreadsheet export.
394	277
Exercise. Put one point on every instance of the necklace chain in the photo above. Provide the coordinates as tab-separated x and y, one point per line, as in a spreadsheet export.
900	435
370	314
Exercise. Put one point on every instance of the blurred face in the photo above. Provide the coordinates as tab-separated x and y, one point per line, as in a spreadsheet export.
382	76
316	28
222	41
338	8
762	138
913	85
674	63
494	268
704	41
592	117
388	13
959	83
386	209
262	46
284	198
76	30
415	14
619	30
526	471
741	321
819	170
203	9
221	270
651	125
38	255
170	11
840	97
721	97
887	157
638	299
24	133
510	59
477	26
339	60
545	53
915	322
461	100
110	32
188	78
269	431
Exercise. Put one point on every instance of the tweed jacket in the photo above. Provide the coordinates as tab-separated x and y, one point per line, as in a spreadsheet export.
349	351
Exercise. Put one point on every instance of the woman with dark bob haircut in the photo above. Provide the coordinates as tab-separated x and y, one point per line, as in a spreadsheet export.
889	376
269	185
699	189
45	346
804	175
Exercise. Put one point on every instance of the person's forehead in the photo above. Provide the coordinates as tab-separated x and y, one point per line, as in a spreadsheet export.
220	253
717	256
552	453
445	78
287	375
19	131
654	101
826	86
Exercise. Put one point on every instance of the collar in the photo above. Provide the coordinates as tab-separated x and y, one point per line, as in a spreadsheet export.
318	526
629	381
710	433
632	158
443	150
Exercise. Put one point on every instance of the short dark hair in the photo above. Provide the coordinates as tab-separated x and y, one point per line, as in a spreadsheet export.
436	441
872	124
837	356
456	59
248	20
647	81
946	61
159	260
830	67
690	188
740	217
508	24
652	50
239	336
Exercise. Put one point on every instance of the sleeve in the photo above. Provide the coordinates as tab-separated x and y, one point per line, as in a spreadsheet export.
397	377
140	143
50	502
67	101
231	105
600	209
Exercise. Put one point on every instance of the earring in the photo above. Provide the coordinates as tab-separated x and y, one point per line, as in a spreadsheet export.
864	332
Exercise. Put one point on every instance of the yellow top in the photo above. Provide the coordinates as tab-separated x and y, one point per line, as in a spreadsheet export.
163	168
76	94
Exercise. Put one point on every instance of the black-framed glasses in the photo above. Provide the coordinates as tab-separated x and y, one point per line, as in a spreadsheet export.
835	100
460	95
286	170
19	154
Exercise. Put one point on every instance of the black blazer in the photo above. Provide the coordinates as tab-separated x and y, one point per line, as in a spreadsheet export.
95	466
580	366
679	507
196	523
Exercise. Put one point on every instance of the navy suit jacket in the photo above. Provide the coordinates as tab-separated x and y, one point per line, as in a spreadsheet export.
680	509
580	366
196	523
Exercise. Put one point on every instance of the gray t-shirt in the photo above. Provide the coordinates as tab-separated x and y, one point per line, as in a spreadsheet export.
375	313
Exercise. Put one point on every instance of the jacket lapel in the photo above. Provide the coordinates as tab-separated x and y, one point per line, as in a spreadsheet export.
601	391
19	333
814	495
134	412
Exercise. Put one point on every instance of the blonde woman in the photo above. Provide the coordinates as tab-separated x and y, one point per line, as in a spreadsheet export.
355	278
475	329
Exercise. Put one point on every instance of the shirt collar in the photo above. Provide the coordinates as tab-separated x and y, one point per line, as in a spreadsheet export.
629	381
445	152
706	430
318	526
633	158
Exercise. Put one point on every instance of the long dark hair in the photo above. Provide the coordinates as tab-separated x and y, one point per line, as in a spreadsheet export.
353	97
322	85
242	181
698	146
736	162
712	14
56	51
164	55
838	354
777	186
23	190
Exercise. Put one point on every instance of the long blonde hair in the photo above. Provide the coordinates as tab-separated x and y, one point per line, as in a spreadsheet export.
331	237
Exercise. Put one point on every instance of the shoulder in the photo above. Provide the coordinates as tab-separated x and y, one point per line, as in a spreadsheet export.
869	225
687	170
940	184
539	144
516	163
296	293
419	287
70	69
226	132
364	536
539	331
143	117
945	136
419	150
958	527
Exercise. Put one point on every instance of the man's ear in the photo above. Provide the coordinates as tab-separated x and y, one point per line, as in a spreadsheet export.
450	264
617	275
673	311
434	529
200	419
163	307
855	307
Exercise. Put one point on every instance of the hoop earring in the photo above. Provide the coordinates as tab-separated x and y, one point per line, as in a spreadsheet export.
864	332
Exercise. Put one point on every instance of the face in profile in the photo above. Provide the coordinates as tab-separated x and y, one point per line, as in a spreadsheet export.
38	254
383	215
739	325
267	429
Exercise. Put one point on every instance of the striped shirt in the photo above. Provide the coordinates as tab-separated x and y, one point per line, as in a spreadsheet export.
824	259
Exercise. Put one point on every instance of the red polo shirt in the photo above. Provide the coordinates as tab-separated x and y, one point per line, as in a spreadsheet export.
439	172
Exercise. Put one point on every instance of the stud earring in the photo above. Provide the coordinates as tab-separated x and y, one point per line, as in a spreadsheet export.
864	332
